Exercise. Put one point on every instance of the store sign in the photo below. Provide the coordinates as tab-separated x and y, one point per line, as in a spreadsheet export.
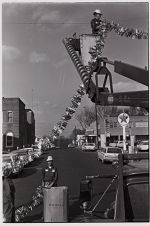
141	124
110	99
123	119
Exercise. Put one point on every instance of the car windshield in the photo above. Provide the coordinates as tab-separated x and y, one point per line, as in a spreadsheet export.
113	150
90	144
137	197
6	160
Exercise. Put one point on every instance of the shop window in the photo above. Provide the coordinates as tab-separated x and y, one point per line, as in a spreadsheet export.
115	124
111	124
9	139
10	116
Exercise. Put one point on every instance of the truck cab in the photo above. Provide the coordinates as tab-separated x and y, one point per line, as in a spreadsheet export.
132	195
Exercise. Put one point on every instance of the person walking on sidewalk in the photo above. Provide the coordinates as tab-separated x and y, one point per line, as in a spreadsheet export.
49	174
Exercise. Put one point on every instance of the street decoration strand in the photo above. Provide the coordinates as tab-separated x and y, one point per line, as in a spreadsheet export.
47	142
24	210
105	27
123	31
75	102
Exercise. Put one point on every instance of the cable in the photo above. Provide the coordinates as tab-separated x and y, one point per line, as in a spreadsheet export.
42	23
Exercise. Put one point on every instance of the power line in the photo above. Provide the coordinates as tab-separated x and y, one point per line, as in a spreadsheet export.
43	23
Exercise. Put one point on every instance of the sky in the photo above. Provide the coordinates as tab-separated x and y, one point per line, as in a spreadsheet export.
36	66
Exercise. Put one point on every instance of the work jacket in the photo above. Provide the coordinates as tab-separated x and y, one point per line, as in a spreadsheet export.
94	23
50	176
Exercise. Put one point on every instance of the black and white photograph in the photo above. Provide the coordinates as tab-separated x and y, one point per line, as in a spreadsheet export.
75	111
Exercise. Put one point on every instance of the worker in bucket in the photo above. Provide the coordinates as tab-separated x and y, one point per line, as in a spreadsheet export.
96	21
50	174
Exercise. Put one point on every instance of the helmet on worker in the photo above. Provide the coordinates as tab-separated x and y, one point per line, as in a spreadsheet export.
97	11
49	158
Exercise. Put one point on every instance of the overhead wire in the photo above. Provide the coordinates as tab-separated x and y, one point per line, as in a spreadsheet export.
43	23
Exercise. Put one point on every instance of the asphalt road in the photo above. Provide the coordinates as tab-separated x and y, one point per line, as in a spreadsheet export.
73	165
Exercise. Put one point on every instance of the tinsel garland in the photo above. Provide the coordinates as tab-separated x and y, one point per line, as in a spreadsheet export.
75	102
105	27
24	210
62	124
124	31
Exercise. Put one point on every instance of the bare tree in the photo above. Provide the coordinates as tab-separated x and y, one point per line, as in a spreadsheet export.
86	116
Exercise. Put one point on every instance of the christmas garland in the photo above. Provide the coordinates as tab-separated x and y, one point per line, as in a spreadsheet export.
75	102
23	211
124	31
62	124
105	27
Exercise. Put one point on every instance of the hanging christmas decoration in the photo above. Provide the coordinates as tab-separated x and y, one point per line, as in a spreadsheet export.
104	28
24	210
47	142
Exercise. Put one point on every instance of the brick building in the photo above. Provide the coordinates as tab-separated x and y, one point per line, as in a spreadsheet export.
15	125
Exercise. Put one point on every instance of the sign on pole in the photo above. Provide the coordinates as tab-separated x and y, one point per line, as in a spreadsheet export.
123	119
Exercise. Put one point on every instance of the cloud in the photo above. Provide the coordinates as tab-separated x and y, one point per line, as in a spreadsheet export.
128	86
38	57
39	112
44	13
53	106
60	63
50	17
9	9
10	53
46	102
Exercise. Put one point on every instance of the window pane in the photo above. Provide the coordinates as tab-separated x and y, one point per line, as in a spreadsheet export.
139	199
114	150
9	141
10	116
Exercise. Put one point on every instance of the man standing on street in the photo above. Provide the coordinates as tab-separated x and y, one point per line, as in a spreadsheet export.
50	174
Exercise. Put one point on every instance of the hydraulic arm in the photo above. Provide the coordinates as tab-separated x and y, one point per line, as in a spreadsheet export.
101	95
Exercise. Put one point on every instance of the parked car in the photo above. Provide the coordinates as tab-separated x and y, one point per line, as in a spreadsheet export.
37	151
120	144
7	163
88	147
16	164
23	156
113	144
143	145
31	155
71	146
108	154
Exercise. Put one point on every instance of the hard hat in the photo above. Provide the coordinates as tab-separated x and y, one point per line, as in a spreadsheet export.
49	158
97	11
